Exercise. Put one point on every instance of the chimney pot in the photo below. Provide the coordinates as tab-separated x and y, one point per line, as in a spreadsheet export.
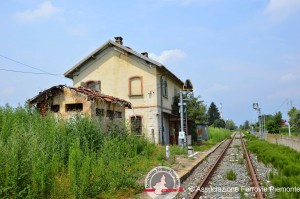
119	40
145	54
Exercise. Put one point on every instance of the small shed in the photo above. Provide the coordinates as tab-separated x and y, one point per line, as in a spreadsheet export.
65	102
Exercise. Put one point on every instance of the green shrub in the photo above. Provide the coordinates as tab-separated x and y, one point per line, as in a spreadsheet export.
43	157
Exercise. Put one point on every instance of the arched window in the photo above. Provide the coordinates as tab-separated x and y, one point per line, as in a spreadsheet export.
136	124
135	86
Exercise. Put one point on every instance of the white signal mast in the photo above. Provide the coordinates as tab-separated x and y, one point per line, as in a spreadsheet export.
221	110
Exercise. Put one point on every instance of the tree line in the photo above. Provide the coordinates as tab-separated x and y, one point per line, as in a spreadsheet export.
275	124
197	111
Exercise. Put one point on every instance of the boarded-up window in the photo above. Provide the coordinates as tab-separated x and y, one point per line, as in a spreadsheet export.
118	114
74	107
55	108
135	86
93	85
164	87
110	114
100	112
136	124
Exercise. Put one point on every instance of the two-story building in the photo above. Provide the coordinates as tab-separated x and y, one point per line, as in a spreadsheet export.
149	86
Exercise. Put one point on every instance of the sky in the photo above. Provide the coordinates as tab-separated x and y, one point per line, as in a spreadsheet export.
235	52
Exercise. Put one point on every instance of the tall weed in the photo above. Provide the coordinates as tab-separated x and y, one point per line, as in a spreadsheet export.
44	157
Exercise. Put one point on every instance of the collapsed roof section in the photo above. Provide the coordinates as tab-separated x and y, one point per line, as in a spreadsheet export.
91	94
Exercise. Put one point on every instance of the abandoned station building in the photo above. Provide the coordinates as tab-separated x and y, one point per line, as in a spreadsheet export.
147	84
65	102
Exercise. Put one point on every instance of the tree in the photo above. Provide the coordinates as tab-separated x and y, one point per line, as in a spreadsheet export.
213	113
292	116
278	119
272	127
195	107
246	125
230	125
196	110
219	123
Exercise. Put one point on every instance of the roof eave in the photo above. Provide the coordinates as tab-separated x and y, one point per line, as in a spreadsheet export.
69	73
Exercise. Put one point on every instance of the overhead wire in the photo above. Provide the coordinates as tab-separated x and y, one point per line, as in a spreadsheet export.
43	72
27	72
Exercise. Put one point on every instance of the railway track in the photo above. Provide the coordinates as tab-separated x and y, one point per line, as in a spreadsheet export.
231	154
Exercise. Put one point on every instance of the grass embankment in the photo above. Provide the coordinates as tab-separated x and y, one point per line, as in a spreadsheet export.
284	159
42	157
215	135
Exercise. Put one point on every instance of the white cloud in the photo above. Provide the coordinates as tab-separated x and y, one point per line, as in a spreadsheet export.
44	10
288	78
168	56
279	10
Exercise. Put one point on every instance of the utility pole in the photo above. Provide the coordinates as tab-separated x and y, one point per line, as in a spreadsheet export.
256	107
287	105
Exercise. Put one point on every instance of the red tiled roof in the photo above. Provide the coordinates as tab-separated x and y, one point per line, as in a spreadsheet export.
86	91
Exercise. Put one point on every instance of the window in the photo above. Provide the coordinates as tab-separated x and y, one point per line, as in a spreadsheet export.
136	124
135	86
93	85
164	87
74	107
175	91
55	108
100	112
110	114
118	114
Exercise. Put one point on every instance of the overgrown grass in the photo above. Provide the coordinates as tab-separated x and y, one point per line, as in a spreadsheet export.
42	157
218	134
284	159
215	135
285	131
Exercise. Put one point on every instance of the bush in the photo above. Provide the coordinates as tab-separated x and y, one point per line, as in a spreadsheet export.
42	157
272	127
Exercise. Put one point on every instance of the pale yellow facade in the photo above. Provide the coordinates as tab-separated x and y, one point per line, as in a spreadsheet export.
134	79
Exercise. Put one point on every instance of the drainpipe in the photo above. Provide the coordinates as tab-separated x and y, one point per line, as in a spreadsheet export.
161	109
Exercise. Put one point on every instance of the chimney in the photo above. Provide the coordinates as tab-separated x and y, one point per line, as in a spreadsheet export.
119	40
145	54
